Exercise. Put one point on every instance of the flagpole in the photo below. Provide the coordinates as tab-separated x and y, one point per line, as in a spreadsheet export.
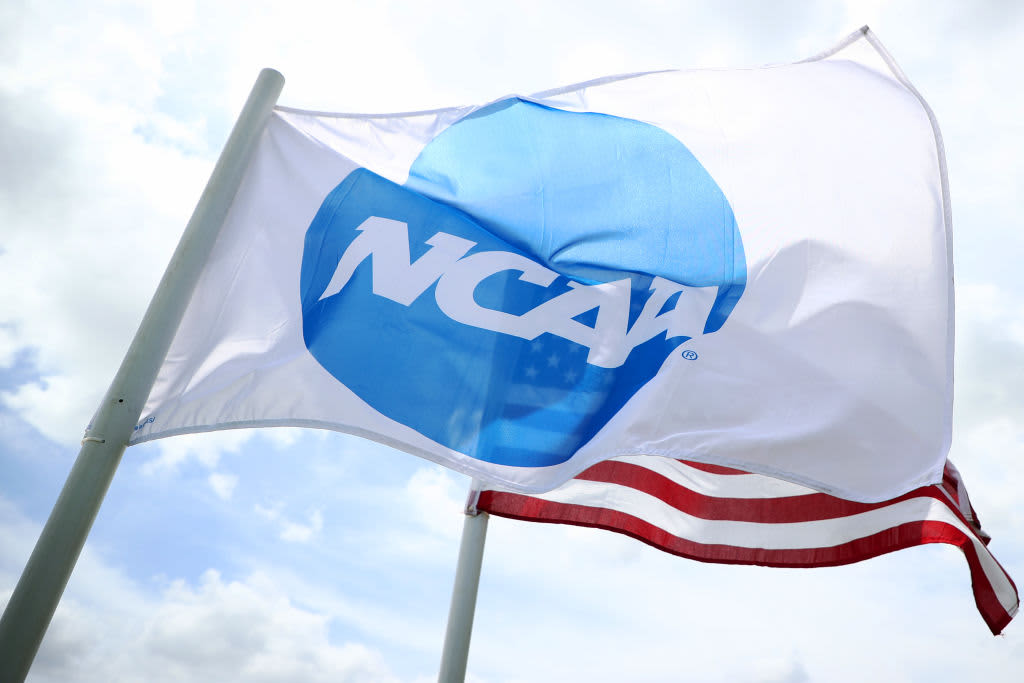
46	574
467	580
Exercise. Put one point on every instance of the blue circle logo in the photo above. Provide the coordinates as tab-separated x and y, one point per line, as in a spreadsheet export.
533	273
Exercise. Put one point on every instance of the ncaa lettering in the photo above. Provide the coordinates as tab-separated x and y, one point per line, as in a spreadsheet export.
610	340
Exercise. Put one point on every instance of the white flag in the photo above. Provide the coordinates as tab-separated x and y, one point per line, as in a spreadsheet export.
749	268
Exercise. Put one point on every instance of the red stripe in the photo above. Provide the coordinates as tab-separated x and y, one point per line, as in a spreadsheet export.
992	611
803	508
906	535
951	482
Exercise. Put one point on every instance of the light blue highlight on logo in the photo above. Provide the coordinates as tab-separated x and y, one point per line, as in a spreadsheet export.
592	196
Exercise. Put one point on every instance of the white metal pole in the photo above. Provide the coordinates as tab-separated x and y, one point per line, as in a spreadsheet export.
44	578
460	616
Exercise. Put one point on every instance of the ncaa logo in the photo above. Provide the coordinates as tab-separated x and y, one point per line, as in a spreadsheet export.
535	271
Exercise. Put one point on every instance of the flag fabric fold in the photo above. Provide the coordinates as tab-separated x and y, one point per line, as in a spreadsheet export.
743	267
717	514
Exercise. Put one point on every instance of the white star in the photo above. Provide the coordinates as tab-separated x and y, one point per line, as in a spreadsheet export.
553	361
537	345
531	372
570	376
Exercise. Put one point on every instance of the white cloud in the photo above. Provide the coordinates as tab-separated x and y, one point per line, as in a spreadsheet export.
246	631
272	512
206	449
89	216
988	439
295	532
243	631
8	346
288	529
107	628
989	356
283	437
782	670
437	497
223	484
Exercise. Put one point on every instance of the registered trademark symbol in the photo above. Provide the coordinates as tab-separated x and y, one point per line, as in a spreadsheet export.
690	355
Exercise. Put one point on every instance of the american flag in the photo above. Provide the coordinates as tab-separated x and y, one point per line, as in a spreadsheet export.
549	392
718	514
553	396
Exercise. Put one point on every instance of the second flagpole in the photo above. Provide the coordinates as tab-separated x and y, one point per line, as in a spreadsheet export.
455	654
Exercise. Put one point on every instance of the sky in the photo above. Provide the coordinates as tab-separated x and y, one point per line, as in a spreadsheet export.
291	555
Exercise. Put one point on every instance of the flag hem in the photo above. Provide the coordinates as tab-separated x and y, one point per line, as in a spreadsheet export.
558	90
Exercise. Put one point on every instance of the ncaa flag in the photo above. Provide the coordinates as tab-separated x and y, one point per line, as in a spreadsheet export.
749	268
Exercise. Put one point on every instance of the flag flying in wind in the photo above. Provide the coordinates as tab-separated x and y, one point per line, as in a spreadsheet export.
749	268
717	514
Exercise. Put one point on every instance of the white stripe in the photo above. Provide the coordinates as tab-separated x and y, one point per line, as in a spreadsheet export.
718	485
1003	588
572	401
777	536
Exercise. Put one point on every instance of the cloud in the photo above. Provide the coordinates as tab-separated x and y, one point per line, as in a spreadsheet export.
302	533
436	496
989	354
108	628
780	670
205	449
290	530
246	631
88	222
8	346
223	484
988	439
243	631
